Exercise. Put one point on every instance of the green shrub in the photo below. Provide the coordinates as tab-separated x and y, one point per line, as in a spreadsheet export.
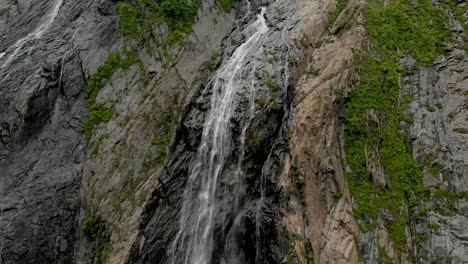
137	20
272	85
130	18
94	228
430	108
263	102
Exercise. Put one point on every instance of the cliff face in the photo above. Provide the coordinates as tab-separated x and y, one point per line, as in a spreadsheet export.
46	51
233	131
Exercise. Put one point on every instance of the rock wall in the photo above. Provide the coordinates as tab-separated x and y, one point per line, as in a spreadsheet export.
43	76
100	120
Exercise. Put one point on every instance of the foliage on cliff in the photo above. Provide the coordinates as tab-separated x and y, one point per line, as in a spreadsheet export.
375	110
101	114
94	228
137	21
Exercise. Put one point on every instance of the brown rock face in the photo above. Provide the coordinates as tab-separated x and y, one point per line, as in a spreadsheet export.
317	136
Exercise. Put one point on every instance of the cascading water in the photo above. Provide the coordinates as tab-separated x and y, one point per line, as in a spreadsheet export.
13	51
194	242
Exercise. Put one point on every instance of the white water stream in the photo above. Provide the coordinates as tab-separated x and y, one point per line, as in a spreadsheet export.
14	50
195	236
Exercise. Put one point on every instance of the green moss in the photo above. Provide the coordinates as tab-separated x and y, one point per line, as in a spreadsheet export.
227	5
104	72
451	197
293	62
407	119
384	258
272	85
275	106
98	115
340	6
374	111
430	108
95	229
304	42
263	102
416	28
163	142
313	72
101	114
433	227
308	252
435	170
131	189
130	18
421	238
460	130
337	196
137	20
214	62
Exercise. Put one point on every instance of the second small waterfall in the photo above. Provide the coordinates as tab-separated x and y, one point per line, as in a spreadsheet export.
194	242
11	53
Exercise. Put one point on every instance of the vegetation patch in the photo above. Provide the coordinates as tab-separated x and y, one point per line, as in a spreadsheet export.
340	6
103	74
227	5
137	20
94	228
129	20
430	108
375	109
460	130
100	114
272	85
215	61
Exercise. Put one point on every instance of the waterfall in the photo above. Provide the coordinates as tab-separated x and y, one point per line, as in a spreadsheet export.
16	48
193	243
